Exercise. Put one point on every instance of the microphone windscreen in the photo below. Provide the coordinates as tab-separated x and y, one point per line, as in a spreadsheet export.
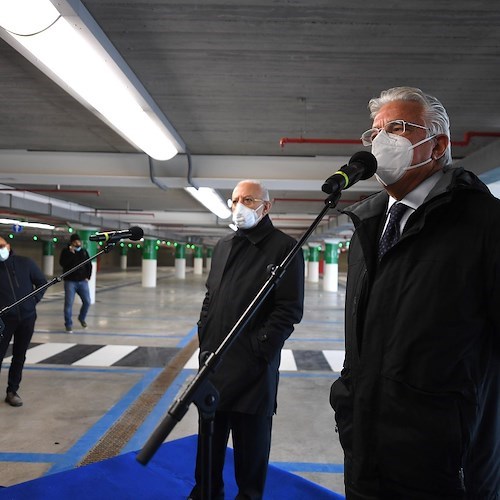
368	160
136	233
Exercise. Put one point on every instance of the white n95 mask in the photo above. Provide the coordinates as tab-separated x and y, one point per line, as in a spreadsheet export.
394	154
4	254
244	217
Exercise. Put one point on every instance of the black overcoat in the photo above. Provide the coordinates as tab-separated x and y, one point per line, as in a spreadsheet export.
19	276
417	405
247	378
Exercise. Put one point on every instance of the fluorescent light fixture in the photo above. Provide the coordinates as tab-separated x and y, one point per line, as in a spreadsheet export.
67	44
211	200
37	225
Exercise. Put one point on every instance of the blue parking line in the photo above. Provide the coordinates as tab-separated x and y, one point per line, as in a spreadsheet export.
13	456
70	458
185	341
309	467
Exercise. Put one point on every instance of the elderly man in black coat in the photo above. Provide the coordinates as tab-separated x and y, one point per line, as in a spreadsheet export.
247	378
417	404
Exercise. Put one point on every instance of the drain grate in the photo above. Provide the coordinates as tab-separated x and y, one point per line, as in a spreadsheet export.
122	431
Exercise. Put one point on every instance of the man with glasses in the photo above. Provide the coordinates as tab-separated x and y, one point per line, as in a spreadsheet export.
417	404
247	377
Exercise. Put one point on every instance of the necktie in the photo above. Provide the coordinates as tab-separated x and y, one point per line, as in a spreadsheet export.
391	234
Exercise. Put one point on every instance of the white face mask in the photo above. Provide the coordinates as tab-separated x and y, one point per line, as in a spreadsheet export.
394	155
4	254
246	218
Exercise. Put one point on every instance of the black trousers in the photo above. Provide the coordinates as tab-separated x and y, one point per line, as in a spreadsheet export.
251	444
22	331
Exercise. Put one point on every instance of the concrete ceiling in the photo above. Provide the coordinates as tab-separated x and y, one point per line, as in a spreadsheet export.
234	78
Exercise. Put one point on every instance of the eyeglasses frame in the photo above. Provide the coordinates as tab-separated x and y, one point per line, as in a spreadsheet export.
369	132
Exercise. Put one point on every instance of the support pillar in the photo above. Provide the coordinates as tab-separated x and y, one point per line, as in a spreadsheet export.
305	251
313	264
331	272
208	265
123	256
180	261
198	259
149	263
48	258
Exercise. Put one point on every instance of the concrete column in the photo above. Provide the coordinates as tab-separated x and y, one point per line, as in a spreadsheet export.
92	249
208	265
123	256
313	271
331	272
48	258
180	261
305	251
198	259
149	263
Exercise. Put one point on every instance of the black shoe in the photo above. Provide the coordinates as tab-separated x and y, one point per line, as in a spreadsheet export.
69	329
196	494
13	399
84	325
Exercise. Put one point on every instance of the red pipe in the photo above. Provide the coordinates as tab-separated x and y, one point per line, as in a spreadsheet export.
469	135
316	200
301	140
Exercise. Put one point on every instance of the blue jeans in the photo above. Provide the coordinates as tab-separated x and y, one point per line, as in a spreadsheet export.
82	289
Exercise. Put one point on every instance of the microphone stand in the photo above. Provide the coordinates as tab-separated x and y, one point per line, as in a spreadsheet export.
109	246
200	390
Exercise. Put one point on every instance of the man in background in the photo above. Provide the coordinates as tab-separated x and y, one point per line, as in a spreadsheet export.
19	276
247	377
76	282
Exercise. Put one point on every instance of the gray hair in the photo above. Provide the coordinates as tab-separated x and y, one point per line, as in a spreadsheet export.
264	190
435	115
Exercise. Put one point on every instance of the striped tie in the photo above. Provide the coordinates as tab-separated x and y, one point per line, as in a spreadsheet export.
391	234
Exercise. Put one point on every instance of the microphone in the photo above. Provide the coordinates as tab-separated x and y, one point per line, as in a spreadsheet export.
134	233
361	166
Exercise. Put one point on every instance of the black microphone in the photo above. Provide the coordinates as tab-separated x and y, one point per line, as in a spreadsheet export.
134	233
361	166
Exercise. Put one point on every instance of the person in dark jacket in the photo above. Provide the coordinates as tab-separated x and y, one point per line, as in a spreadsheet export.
247	377
19	276
76	282
417	402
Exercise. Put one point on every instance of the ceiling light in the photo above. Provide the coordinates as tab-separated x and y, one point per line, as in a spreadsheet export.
38	225
67	44
211	200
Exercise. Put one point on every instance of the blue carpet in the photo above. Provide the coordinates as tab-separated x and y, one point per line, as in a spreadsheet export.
168	475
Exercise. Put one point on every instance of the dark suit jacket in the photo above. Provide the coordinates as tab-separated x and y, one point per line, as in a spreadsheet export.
247	378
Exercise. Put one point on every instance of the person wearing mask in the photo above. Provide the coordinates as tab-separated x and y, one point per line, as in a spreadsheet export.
417	405
19	276
247	377
76	282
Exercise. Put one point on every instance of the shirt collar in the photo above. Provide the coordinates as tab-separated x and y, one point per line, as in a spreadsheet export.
416	197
